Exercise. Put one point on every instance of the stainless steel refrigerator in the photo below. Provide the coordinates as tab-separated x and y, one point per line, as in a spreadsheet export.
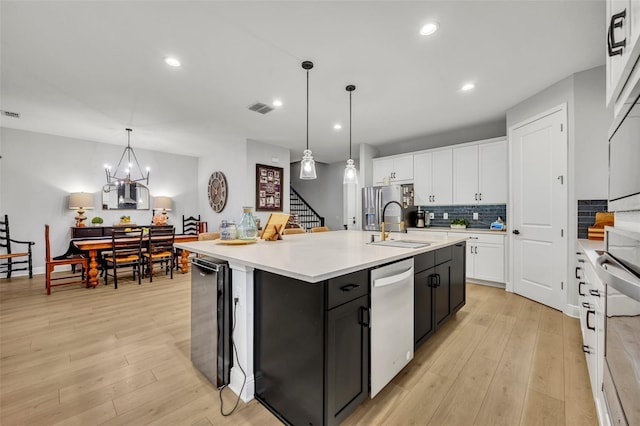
374	198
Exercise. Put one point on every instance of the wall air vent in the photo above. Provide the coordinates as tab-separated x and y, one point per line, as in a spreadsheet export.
10	114
261	108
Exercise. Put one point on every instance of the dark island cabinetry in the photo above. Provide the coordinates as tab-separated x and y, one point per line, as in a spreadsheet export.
311	346
439	286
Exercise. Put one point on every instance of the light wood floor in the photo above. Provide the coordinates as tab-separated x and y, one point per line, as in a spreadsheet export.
105	356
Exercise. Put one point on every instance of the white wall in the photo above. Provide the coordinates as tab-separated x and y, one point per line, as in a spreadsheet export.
39	171
324	194
591	141
237	159
477	132
588	123
269	155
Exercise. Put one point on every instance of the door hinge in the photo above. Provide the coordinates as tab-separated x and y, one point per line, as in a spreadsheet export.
562	232
561	285
561	127
561	179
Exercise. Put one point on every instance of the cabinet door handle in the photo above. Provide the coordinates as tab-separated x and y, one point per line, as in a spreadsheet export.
586	349
580	284
432	281
616	47
362	313
586	305
349	287
594	293
591	327
578	276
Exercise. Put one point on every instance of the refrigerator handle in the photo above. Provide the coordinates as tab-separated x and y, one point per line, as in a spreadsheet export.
379	217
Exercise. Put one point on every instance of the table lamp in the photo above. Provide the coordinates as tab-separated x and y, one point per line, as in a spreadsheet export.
164	203
80	201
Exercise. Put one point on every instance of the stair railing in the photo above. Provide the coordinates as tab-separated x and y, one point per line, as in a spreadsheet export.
307	216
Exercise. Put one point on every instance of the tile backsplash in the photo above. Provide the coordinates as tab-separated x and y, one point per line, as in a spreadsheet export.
587	210
486	214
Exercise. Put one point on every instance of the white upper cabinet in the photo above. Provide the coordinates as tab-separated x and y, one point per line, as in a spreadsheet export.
465	175
432	183
480	173
397	169
492	173
623	32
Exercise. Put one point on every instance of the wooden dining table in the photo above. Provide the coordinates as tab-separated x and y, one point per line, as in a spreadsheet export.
92	247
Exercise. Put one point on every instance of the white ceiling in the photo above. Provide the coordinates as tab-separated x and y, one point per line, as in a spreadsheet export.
89	69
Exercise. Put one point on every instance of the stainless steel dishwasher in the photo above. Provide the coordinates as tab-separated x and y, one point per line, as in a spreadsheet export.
391	321
211	317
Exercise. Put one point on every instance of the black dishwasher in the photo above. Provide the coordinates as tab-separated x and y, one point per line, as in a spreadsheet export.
211	319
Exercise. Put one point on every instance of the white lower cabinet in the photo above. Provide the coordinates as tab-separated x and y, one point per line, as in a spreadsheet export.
485	256
591	300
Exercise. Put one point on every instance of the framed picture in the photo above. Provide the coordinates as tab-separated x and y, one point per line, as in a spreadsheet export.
269	188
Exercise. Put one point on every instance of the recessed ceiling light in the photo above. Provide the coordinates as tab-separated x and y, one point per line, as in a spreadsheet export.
172	62
277	103
337	126
468	86
429	28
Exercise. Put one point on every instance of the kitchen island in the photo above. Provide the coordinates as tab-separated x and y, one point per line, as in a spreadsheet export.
305	268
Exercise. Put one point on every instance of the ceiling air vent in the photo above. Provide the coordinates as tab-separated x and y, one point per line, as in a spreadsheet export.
261	108
10	114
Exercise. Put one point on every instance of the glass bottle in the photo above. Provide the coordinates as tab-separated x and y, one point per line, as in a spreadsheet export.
247	229
228	230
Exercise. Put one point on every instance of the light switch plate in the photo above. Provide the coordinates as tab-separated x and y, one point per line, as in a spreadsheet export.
475	215
445	215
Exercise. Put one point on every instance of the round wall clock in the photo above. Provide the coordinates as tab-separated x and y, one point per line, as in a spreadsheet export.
217	191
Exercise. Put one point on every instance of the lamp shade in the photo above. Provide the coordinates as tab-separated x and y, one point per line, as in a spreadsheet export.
164	203
80	200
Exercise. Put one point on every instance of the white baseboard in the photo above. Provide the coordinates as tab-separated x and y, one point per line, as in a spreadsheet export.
487	283
572	311
236	384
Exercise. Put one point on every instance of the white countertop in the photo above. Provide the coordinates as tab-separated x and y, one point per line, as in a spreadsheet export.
467	230
590	247
315	257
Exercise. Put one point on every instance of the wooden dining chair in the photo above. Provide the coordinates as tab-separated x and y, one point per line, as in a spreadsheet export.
320	229
190	225
51	264
9	259
291	231
126	250
161	239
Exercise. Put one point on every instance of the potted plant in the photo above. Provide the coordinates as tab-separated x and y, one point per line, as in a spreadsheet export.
459	223
97	221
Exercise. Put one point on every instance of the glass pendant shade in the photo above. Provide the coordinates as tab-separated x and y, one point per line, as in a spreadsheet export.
350	173
307	166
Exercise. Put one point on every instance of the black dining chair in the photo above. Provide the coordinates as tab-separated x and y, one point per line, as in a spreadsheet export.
10	259
126	251
160	250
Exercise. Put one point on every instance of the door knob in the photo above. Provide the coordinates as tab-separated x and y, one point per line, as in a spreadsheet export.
515	231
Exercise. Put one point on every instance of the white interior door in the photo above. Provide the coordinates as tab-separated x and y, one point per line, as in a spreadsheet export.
539	208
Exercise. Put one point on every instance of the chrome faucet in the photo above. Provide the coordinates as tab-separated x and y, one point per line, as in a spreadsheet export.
401	223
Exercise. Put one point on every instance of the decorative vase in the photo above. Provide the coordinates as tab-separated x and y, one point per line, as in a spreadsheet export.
247	228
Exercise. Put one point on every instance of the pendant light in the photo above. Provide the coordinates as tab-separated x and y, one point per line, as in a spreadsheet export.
350	171
307	165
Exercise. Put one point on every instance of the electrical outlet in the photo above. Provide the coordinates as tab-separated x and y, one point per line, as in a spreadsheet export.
432	215
445	215
475	215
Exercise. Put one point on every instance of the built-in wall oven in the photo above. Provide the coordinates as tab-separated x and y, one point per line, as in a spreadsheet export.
624	157
619	269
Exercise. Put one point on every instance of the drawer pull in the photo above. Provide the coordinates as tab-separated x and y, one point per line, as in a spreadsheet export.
361	316
577	270
580	284
586	305
590	327
586	349
349	287
594	293
616	47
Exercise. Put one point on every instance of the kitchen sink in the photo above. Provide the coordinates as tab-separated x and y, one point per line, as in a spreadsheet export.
401	243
